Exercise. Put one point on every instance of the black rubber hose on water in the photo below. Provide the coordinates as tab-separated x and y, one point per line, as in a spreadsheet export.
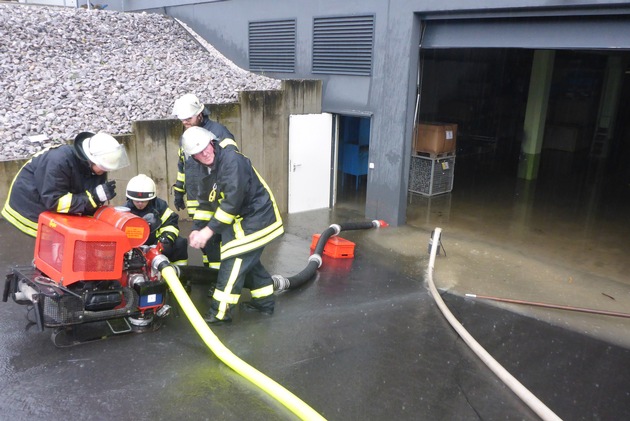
203	275
281	283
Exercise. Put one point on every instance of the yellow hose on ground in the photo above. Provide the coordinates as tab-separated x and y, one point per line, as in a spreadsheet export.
282	395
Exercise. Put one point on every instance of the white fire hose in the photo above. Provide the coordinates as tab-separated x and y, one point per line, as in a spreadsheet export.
510	381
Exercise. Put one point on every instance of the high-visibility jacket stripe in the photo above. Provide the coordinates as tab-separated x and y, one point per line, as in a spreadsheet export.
64	203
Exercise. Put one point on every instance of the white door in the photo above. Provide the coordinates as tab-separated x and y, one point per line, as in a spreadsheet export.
310	163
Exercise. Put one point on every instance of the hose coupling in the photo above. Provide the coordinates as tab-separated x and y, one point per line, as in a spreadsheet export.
336	227
160	262
280	283
315	258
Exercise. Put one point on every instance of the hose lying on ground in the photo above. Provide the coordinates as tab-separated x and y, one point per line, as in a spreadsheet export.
524	394
282	395
281	283
205	275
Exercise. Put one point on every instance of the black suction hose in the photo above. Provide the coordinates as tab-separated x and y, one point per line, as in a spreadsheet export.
281	283
205	275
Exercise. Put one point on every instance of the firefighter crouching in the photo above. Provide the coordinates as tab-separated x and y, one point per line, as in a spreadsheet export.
164	222
236	202
69	179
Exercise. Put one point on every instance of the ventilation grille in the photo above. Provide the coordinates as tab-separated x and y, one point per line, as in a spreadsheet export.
343	45
272	46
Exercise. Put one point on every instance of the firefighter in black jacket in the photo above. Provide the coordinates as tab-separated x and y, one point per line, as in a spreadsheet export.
65	179
193	113
143	202
234	201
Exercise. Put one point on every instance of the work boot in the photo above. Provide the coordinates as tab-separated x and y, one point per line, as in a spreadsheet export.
252	306
211	319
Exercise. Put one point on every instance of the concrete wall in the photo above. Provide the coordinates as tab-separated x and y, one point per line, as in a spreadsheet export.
259	122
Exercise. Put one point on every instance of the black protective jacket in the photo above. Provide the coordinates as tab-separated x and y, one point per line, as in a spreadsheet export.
235	201
189	171
55	179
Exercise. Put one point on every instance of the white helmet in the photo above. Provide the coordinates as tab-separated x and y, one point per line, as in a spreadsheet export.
195	139
105	151
187	106
141	188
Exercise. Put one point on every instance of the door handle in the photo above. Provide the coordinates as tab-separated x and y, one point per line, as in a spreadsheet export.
295	166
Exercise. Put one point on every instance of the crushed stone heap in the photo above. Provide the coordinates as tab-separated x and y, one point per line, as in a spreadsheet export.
67	70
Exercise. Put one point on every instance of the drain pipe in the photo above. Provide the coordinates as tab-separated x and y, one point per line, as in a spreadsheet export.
281	283
554	306
289	400
510	381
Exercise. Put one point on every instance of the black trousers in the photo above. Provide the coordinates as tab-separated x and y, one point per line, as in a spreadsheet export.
237	272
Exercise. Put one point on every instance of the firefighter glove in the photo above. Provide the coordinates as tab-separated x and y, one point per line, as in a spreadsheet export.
180	203
105	191
167	244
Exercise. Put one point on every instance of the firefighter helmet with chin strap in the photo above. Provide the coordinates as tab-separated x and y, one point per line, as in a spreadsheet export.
104	151
195	139
187	106
141	188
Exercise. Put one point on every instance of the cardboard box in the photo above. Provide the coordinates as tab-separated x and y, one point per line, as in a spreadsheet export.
435	138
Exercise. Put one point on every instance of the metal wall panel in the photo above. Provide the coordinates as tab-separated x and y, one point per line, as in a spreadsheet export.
272	46
603	32
343	45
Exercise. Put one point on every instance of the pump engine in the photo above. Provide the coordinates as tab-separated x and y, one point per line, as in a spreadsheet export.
90	274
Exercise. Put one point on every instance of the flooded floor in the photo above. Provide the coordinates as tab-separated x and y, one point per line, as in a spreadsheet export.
560	240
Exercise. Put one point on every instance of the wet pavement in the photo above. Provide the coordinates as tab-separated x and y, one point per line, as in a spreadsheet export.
362	340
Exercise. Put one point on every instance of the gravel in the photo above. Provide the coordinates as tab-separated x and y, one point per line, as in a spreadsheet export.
66	70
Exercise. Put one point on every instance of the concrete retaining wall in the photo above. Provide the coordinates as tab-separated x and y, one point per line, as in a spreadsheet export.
259	122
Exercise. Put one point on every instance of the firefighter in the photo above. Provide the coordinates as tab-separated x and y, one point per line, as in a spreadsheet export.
193	113
234	201
68	179
143	202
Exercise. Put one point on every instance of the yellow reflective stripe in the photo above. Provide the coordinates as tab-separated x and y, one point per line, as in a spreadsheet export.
179	189
202	215
223	308
192	203
262	292
167	213
238	228
224	217
212	265
226	295
183	262
276	211
227	141
27	226
64	202
168	228
91	199
181	177
252	241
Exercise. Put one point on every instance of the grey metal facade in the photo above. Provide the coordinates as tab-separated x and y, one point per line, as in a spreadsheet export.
388	92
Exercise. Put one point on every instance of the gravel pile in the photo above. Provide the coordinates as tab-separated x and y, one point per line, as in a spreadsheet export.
66	70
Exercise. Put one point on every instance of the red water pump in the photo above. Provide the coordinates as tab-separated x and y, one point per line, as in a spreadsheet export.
91	277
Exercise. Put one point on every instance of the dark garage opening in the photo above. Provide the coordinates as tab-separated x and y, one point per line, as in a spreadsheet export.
580	186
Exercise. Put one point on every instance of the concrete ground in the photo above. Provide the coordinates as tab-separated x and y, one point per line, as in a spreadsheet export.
362	340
